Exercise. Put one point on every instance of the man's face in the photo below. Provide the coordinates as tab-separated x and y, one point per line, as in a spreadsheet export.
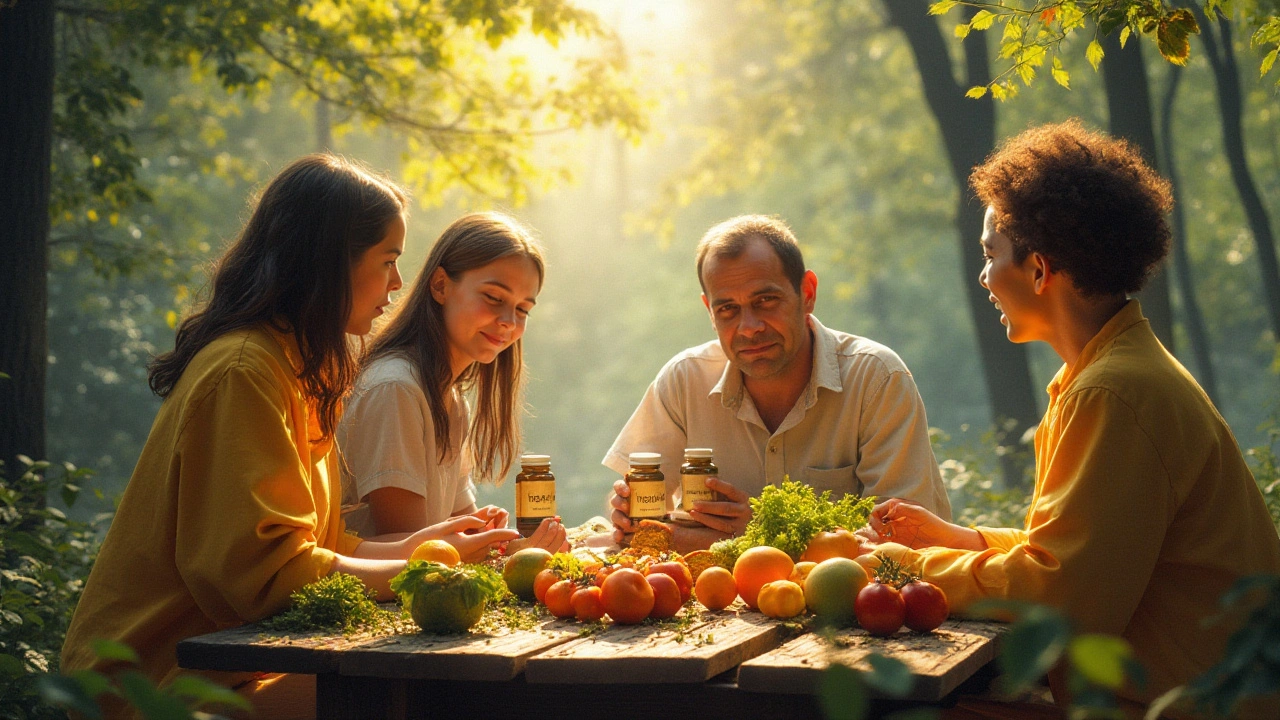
760	318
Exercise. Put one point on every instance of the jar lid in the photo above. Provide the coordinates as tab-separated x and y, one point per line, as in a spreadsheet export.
697	452
645	458
528	459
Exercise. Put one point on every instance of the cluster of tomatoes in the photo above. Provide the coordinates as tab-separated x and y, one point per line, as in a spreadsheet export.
627	593
882	608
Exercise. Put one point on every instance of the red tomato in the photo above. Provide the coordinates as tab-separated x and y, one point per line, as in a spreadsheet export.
927	606
678	572
880	609
542	581
666	596
604	572
627	596
587	604
559	598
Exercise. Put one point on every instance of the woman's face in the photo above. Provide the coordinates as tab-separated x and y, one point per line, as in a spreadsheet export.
486	308
1011	284
374	277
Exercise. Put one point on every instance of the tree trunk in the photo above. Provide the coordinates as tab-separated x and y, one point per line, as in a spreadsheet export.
1196	330
1222	58
968	129
1129	110
26	141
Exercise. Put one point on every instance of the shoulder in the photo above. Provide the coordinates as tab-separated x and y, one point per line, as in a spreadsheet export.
856	354
389	370
247	352
700	365
1136	370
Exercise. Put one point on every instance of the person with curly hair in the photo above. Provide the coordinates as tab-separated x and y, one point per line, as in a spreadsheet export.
1144	512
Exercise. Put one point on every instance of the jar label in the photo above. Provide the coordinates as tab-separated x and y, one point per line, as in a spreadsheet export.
648	498
693	488
536	499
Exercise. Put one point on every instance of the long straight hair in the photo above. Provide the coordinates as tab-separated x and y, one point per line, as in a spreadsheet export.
290	268
417	332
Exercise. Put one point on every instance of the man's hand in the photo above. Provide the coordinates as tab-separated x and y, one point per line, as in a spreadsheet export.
621	509
730	515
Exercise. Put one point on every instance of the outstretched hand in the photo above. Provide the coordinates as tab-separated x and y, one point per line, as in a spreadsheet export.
471	547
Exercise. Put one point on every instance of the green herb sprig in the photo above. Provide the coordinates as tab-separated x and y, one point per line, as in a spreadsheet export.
334	603
476	583
788	517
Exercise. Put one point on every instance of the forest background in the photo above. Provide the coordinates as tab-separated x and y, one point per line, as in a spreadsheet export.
815	111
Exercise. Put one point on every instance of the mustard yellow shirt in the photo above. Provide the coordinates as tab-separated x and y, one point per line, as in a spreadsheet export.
230	509
1144	511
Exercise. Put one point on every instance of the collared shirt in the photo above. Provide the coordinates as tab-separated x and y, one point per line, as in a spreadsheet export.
232	507
858	427
388	439
1144	510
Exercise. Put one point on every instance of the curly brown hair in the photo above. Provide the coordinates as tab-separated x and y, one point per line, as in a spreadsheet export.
1085	200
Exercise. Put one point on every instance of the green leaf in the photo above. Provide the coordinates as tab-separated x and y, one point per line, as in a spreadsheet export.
1125	32
1269	61
942	7
889	675
61	691
112	650
11	666
1100	658
962	31
1032	647
842	694
205	692
1094	54
153	704
1060	75
1173	43
982	20
93	683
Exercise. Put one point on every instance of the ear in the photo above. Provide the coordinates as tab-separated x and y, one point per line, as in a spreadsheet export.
707	304
438	279
809	290
1042	272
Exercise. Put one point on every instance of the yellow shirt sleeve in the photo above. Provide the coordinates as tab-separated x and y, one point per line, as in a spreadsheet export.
1094	533
248	526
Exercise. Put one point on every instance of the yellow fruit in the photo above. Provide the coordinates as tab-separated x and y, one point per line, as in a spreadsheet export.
832	587
758	566
522	568
781	599
836	543
801	571
437	551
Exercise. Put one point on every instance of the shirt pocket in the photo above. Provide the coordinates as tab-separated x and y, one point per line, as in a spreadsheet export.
840	481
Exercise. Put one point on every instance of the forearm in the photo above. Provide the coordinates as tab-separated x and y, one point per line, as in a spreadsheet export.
383	547
375	573
963	538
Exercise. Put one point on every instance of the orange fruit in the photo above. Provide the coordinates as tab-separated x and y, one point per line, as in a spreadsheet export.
437	551
832	587
542	581
627	597
521	570
801	571
587	605
715	588
758	566
836	543
666	596
781	599
559	598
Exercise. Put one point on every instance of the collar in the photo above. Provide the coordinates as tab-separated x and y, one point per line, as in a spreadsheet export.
1129	315
824	374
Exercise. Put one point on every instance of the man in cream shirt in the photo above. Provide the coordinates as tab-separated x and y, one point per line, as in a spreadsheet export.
777	394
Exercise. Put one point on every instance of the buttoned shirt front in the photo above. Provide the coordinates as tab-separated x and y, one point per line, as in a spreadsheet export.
858	427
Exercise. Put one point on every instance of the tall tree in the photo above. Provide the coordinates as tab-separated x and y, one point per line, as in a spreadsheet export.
1129	111
26	114
430	68
967	127
1195	325
1220	50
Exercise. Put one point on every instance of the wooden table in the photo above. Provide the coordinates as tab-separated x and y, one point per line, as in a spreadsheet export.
732	664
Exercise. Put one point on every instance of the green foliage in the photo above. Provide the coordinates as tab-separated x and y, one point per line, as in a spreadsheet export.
1251	665
475	583
182	699
1034	33
335	603
974	482
44	558
788	517
1264	461
844	693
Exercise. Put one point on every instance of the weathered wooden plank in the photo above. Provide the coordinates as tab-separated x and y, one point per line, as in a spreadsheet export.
940	660
249	649
640	654
493	657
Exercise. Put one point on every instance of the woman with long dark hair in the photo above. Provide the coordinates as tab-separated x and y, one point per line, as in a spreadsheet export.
409	448
234	503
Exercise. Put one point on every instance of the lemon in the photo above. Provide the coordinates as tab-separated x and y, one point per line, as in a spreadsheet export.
437	551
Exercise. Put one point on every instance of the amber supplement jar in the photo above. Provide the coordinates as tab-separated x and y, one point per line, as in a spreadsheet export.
535	493
693	478
648	487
